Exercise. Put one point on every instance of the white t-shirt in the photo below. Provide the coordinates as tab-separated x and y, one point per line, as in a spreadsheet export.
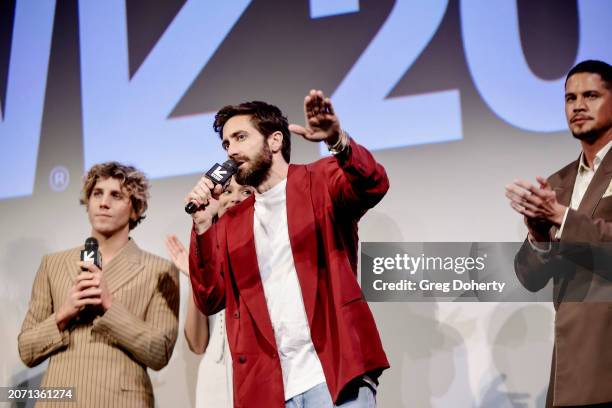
300	363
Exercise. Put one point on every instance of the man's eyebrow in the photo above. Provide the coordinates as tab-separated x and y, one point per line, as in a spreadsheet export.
236	133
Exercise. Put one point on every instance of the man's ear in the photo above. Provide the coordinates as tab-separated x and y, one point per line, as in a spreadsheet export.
275	141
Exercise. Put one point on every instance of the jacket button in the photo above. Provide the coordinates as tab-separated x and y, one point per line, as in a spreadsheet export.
242	359
236	314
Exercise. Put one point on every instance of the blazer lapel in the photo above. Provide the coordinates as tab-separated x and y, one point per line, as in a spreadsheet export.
597	187
243	259
125	266
566	187
71	264
302	235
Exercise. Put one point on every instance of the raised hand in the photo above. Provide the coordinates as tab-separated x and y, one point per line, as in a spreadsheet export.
178	253
322	124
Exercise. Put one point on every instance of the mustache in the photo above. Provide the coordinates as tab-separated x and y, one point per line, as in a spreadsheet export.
240	159
579	116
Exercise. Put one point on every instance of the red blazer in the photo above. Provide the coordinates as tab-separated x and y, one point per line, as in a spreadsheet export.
325	201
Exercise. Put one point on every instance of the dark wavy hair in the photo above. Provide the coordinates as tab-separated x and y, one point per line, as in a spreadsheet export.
266	118
132	179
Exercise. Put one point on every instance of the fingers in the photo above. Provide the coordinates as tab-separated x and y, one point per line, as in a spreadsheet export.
313	103
523	192
84	276
201	193
89	266
206	183
316	104
522	210
542	193
523	200
525	185
217	191
321	121
518	191
87	280
328	106
89	292
175	246
544	184
172	245
298	130
88	301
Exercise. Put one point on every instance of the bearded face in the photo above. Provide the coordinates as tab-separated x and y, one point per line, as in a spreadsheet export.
254	170
588	106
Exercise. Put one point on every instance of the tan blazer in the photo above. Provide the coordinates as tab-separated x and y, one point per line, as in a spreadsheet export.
104	357
581	372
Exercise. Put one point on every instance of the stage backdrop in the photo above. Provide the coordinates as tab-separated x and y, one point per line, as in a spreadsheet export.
455	98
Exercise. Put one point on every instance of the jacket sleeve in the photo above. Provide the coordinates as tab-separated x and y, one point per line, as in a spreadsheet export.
533	269
149	341
357	182
206	268
40	336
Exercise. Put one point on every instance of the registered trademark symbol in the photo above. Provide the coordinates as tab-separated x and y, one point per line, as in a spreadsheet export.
59	178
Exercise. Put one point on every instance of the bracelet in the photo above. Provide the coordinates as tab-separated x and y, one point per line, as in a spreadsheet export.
340	145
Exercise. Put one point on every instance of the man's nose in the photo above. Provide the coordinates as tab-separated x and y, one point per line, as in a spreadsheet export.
105	201
232	151
580	104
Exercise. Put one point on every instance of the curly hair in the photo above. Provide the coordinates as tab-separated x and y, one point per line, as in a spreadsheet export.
131	179
266	118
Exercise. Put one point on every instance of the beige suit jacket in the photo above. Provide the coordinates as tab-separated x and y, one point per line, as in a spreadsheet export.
104	357
581	371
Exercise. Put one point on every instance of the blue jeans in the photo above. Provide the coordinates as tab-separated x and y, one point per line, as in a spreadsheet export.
319	397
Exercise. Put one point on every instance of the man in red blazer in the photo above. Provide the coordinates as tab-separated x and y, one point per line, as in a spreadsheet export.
283	263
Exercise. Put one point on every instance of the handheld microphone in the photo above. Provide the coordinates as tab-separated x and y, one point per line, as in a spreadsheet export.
91	254
218	174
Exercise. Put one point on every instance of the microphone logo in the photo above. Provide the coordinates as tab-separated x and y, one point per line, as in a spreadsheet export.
219	174
89	256
90	253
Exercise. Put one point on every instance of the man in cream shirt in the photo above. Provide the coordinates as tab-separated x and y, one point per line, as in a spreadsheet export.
573	208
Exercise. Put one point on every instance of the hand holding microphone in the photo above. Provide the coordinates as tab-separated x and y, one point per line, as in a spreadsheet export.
89	288
218	175
201	201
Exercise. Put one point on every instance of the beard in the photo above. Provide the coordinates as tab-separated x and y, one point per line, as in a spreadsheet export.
589	136
256	170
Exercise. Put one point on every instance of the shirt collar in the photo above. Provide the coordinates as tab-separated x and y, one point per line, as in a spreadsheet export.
582	167
273	194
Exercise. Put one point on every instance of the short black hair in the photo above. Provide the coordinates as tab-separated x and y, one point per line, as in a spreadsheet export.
266	118
593	67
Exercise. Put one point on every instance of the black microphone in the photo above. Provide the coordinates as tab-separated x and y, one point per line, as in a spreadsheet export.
91	254
218	174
